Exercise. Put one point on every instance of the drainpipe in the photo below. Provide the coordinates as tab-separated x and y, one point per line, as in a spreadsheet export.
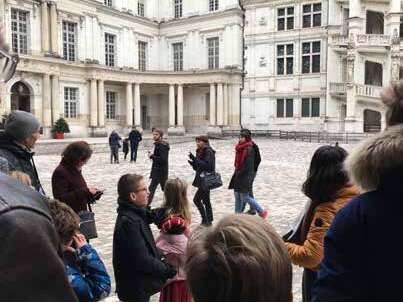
243	61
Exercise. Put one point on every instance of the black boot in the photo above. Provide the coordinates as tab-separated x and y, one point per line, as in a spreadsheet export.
202	211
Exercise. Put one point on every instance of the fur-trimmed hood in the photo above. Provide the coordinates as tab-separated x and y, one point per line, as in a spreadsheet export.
376	158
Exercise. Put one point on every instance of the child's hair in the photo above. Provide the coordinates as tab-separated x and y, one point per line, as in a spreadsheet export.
175	193
240	259
392	97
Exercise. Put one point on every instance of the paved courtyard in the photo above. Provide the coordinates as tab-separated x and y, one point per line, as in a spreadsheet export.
277	186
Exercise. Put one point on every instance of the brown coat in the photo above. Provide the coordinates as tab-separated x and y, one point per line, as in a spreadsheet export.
310	253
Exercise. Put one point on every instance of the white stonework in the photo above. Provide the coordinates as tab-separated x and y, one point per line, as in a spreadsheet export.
360	52
93	86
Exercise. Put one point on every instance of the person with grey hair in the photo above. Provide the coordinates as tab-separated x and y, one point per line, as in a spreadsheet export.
16	142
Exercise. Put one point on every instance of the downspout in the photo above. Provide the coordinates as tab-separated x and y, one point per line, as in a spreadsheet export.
243	61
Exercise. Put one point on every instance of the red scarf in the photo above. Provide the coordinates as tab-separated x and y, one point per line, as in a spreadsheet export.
241	153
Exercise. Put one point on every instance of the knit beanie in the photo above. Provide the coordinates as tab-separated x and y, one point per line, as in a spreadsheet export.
20	125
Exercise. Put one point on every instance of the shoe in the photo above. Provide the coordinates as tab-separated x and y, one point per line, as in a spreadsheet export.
251	212
264	214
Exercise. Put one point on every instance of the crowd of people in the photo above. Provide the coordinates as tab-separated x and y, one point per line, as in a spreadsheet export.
343	240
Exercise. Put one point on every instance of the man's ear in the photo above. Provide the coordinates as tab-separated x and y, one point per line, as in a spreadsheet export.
132	196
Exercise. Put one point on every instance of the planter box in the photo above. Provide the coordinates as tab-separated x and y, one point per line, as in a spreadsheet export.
59	135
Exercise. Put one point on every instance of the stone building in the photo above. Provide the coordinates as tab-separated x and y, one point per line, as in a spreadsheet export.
320	65
112	64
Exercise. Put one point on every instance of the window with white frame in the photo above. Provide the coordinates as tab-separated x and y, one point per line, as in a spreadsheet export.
310	107
70	102
312	15
69	40
19	31
178	56
108	3
110	49
213	50
285	107
178	8
140	8
285	59
285	18
213	5
111	105
142	55
311	57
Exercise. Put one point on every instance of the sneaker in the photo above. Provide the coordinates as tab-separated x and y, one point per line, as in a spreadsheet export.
251	212
264	214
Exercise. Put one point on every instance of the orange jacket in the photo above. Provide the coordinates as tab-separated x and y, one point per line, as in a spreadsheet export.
310	254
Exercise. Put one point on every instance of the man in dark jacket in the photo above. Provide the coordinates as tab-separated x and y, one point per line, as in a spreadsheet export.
140	271
159	169
114	144
30	268
19	137
362	247
135	138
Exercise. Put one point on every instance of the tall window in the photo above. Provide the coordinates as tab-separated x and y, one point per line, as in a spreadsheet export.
311	57
140	8
312	15
19	31
70	102
111	105
108	3
285	18
285	59
178	8
310	107
178	56
285	107
69	40
142	55
213	47
110	49
213	5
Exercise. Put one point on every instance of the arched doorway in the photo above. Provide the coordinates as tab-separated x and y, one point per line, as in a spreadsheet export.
372	121
20	97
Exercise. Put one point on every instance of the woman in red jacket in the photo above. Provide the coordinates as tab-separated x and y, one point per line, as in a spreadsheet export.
68	184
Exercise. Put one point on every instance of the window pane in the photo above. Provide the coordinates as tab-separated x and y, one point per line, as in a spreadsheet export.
316	63
306	48
280	66
306	8
315	107
289	108
306	21
316	47
290	49
281	12
305	108
290	10
280	50
306	64
290	65
280	24
290	23
280	108
317	7
317	20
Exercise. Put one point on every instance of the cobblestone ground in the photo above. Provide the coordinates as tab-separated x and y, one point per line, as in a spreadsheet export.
277	186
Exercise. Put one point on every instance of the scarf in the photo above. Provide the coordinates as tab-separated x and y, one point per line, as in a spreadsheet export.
241	153
200	151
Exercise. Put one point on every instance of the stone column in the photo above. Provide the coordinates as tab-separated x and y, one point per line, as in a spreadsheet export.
395	6
93	103
129	104
171	106
235	106
101	103
220	104
46	105
45	26
212	105
180	105
55	99
356	21
226	107
137	105
394	20
53	28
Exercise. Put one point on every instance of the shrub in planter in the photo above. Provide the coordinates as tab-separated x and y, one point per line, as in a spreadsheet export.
60	128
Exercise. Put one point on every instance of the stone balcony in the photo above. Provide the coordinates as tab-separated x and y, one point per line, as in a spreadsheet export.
338	90
370	43
368	91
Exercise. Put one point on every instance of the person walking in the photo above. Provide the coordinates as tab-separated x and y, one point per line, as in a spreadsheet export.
329	189
159	168
203	162
135	138
114	144
126	147
242	179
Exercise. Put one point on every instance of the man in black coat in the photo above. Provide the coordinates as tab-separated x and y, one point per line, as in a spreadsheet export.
140	271
159	169
16	142
135	138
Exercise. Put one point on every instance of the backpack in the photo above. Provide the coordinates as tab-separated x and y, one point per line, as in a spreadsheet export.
258	158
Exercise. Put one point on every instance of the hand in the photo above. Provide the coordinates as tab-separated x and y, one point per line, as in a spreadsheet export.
93	191
79	240
191	156
191	163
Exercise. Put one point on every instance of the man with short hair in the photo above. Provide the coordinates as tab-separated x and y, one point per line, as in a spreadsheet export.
135	138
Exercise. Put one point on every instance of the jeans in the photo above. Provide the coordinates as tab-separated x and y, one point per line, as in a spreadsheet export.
202	202
133	151
241	198
153	186
115	154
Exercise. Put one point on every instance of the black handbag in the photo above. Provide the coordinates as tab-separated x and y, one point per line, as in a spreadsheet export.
87	224
210	180
294	233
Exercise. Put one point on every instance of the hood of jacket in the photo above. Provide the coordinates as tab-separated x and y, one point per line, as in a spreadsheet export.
9	144
378	160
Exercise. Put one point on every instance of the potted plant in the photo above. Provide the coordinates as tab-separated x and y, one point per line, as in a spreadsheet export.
60	128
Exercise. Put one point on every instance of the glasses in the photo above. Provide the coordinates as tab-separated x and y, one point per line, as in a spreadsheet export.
141	190
8	65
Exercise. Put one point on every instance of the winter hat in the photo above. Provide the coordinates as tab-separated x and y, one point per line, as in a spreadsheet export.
173	225
20	125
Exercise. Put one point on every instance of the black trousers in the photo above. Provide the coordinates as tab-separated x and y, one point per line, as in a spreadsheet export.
133	151
115	154
308	279
153	186
202	202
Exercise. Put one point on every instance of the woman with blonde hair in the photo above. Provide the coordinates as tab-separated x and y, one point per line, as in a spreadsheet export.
173	220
